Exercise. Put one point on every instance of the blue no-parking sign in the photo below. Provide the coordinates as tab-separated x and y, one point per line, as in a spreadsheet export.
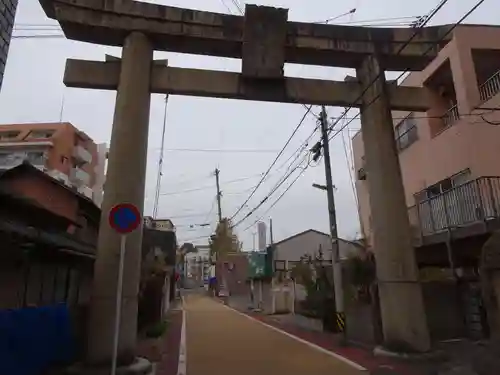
124	218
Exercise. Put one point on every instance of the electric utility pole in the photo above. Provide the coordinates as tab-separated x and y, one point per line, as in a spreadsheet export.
219	194
337	268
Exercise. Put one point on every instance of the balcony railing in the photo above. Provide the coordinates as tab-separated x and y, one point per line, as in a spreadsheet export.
15	159
451	116
79	177
472	202
490	88
82	155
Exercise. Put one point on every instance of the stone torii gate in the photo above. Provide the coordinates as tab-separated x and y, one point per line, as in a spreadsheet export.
264	40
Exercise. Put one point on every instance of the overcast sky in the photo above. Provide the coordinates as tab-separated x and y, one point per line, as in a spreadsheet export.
33	92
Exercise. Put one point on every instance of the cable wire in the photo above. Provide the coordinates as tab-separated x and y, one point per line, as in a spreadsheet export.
479	3
276	201
273	163
159	172
210	186
273	190
427	19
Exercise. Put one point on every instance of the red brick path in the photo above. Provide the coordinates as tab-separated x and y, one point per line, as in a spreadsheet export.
165	351
363	357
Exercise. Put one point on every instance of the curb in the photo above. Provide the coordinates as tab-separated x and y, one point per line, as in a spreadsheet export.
380	351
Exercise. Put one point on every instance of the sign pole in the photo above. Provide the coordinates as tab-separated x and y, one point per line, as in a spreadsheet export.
119	288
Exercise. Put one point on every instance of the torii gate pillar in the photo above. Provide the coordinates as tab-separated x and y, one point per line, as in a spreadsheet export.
125	183
402	306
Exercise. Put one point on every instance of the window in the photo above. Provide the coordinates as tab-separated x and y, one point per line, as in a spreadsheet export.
443	186
406	132
41	134
9	135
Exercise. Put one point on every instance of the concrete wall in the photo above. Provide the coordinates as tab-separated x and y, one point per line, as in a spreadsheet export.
435	157
442	307
442	303
7	15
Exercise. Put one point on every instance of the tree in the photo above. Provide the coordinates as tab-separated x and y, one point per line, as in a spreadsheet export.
312	274
361	274
224	241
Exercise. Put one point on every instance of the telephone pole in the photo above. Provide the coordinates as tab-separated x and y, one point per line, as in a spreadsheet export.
337	268
219	194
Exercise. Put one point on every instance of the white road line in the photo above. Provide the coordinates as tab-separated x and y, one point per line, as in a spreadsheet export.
310	344
181	366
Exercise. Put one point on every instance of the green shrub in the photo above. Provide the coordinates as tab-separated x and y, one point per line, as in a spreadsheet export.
157	330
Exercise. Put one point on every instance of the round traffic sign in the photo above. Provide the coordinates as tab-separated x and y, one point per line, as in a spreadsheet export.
124	218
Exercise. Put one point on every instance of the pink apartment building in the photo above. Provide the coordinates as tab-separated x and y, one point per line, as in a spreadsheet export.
450	155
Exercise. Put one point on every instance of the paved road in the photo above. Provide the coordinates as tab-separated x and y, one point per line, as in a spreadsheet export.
223	342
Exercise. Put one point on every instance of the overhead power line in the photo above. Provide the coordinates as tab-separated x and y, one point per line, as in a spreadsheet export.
416	32
210	186
478	4
428	18
274	162
276	201
273	190
243	151
159	172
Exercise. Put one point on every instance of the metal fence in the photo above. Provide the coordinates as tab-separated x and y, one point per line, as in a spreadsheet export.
490	88
474	201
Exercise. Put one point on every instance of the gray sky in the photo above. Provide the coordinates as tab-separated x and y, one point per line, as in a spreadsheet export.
33	91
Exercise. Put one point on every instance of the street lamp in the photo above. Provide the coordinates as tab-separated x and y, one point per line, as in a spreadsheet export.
323	187
318	186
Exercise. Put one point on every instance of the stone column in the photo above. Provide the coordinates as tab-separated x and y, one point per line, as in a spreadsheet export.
125	182
402	308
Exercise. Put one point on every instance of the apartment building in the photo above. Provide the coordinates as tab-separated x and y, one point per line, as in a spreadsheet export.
59	149
450	155
7	16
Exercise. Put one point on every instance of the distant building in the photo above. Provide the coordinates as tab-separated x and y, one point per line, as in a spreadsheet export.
7	16
198	264
310	242
261	235
60	150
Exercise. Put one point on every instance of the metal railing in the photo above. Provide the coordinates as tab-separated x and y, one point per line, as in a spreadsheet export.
451	116
14	160
490	88
469	203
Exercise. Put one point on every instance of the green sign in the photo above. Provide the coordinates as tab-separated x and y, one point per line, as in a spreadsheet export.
260	264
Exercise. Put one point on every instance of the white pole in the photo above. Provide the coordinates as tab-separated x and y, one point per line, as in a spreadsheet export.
273	293
119	287
260	294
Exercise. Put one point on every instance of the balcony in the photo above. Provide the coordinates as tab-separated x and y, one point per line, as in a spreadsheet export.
471	204
490	88
12	160
81	155
79	177
451	116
